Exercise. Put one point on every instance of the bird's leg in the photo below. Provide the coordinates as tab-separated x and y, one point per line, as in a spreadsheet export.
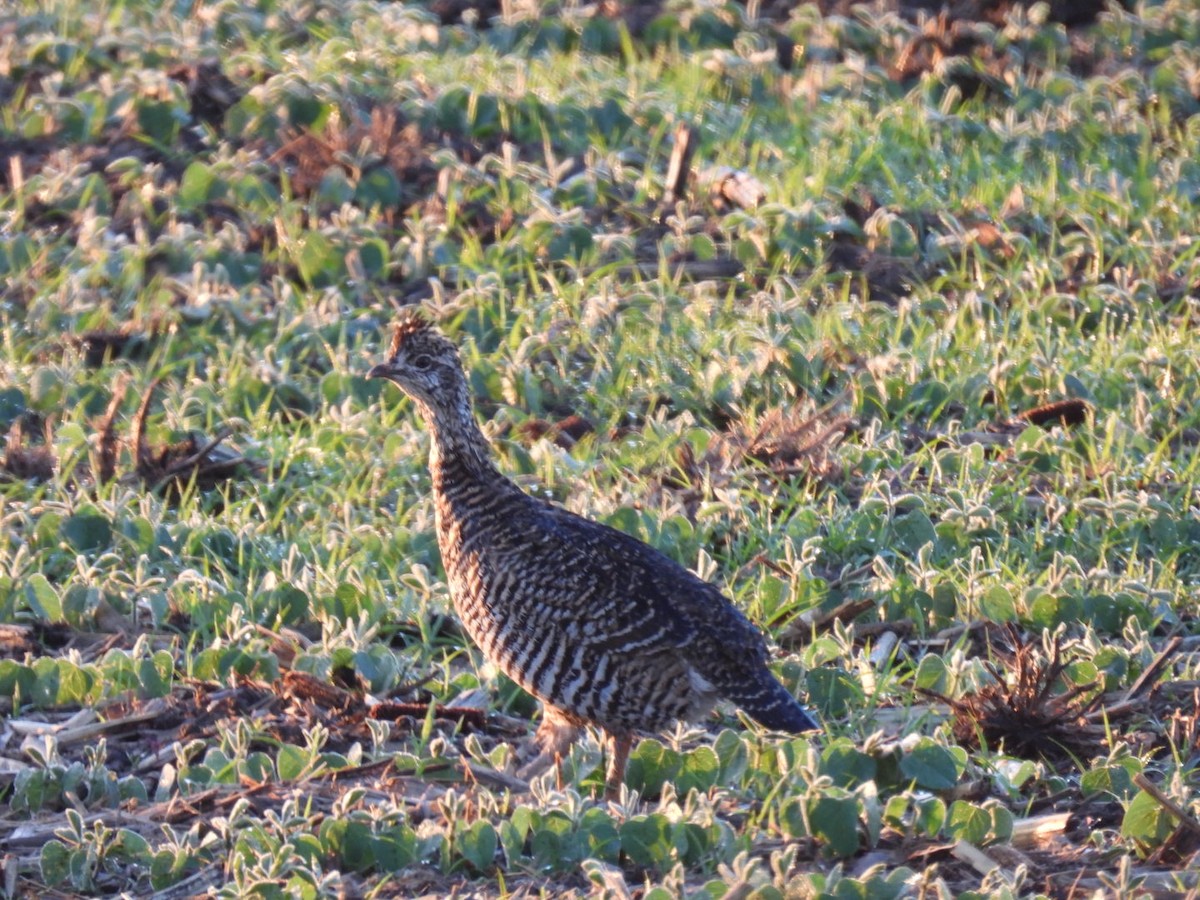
554	737
616	765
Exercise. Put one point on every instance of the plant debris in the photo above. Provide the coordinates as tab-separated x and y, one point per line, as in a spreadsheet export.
24	461
168	467
785	441
1027	710
102	347
384	141
171	467
1068	413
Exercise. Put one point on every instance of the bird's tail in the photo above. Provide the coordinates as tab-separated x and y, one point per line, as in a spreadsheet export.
769	703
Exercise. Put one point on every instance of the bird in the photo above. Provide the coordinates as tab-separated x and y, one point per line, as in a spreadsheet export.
602	628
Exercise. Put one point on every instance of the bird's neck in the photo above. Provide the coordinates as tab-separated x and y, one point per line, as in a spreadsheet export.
459	452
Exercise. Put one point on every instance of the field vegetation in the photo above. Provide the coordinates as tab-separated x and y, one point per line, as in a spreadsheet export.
883	316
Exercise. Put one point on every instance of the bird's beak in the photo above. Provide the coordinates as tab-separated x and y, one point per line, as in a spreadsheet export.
383	370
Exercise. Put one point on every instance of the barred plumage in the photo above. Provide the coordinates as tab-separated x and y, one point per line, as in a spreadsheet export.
599	626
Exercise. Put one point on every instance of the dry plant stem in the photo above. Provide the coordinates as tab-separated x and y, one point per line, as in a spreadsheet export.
1154	670
680	166
139	422
182	464
106	466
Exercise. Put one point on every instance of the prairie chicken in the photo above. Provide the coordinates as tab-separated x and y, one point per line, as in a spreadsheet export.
600	627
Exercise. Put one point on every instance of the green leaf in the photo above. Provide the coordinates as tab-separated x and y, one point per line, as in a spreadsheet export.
373	254
157	120
131	845
930	765
16	679
305	110
646	840
1146	821
291	762
932	674
43	600
833	690
931	815
698	771
600	833
86	532
650	766
571	243
834	818
79	603
154	674
200	185
378	187
846	765
792	818
397	849
333	835
997	604
12	404
45	389
477	844
968	822
1002	822
358	846
170	866
55	861
317	259
334	188
913	530
731	751
1113	780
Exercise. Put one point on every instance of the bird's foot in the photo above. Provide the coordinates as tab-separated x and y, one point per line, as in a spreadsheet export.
553	740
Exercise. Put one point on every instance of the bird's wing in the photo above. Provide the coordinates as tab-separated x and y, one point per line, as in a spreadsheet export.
638	595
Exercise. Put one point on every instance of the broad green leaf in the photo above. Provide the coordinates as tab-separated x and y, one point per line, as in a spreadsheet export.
378	187
43	600
1146	821
86	533
834	818
158	120
358	846
913	530
698	770
396	848
968	822
12	404
477	844
55	861
932	674
997	604
646	840
846	765
291	762
930	765
196	184
1113	780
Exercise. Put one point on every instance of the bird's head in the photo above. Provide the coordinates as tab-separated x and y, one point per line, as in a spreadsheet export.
422	362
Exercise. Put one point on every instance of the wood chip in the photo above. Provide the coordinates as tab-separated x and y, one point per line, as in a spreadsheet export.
974	857
737	188
1034	830
680	166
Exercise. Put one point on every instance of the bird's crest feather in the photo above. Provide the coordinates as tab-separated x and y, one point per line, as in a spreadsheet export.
411	322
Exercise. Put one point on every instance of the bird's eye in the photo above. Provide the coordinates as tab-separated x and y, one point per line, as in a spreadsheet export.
422	361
